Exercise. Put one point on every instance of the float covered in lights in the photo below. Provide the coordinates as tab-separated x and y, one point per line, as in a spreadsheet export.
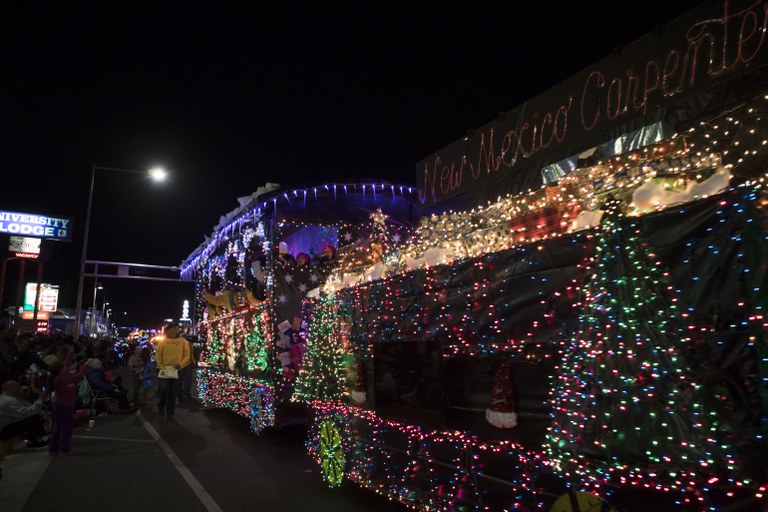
251	277
622	289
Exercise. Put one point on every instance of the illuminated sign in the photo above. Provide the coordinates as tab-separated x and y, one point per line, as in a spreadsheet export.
42	226
645	81
30	315
42	326
185	311
49	297
25	247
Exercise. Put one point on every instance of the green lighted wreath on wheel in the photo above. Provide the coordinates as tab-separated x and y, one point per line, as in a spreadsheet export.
331	453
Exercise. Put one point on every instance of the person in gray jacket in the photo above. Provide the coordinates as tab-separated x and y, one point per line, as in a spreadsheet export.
21	418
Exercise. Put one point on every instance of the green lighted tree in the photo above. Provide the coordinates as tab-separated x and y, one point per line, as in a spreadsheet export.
214	347
323	370
255	342
624	403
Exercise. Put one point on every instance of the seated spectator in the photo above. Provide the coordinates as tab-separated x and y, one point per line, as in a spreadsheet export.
21	418
27	353
8	355
109	376
95	378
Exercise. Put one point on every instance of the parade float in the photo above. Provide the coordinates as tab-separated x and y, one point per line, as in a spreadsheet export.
578	321
253	272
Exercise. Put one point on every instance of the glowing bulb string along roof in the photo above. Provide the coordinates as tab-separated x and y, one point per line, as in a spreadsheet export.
254	209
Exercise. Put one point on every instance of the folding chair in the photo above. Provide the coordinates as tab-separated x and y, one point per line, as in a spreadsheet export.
94	396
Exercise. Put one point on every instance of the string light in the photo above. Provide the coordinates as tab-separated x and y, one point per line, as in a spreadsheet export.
618	343
245	396
634	345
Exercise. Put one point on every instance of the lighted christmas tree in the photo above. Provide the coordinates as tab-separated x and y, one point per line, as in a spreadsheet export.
214	347
379	231
322	375
625	405
255	341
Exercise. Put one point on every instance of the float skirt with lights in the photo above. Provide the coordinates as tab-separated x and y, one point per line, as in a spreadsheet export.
244	396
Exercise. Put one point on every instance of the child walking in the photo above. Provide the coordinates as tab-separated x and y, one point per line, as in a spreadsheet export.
147	377
64	399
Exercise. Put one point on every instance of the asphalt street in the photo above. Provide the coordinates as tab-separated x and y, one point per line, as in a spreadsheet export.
204	460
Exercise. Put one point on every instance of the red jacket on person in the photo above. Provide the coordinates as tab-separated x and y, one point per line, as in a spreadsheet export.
65	384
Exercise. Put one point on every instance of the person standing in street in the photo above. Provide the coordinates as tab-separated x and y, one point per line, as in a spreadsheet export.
187	374
135	365
171	355
64	398
148	378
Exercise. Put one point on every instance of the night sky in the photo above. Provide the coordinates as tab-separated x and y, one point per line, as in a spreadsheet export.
227	99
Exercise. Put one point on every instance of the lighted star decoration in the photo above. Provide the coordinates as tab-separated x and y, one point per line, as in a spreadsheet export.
282	299
313	278
378	216
396	238
288	278
302	288
347	236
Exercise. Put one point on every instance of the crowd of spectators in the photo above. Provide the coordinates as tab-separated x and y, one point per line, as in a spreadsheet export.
33	366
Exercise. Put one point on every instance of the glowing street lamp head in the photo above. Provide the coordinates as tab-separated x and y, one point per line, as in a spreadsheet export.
158	174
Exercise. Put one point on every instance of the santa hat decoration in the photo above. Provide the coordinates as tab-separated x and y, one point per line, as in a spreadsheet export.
501	411
358	393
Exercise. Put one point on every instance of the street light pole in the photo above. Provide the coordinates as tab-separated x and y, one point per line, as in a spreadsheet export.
78	315
96	287
157	174
93	304
104	311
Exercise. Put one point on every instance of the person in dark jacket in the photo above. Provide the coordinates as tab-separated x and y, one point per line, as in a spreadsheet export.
95	377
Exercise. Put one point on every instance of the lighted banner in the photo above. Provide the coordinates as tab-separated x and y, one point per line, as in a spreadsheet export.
49	297
638	85
41	226
25	247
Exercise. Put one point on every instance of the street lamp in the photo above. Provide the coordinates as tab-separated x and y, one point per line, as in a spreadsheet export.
157	174
106	319
96	288
104	311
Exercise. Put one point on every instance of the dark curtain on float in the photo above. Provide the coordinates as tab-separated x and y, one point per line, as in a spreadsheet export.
715	250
